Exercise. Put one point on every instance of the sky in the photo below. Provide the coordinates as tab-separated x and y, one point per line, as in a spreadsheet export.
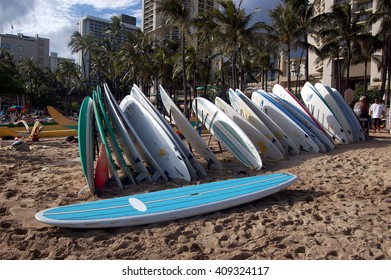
56	19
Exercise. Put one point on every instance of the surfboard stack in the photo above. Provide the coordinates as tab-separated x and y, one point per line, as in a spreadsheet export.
278	124
138	144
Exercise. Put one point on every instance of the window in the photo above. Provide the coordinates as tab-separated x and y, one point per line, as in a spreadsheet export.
5	46
21	48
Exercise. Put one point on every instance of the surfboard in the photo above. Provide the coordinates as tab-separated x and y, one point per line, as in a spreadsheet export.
324	142
124	140
160	145
112	139
156	171
103	139
188	131
227	132
285	120
267	149
245	111
193	165
307	117
86	124
349	113
248	109
306	125
166	205
339	113
322	112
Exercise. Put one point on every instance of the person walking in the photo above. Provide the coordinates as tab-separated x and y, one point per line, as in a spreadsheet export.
376	111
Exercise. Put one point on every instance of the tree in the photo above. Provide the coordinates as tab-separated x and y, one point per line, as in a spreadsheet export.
383	14
68	74
233	25
11	83
177	14
30	70
340	29
286	29
84	44
305	12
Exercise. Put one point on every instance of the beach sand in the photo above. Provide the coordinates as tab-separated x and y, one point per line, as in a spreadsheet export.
340	208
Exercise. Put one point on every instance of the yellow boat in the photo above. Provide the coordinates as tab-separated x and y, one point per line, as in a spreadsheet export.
61	119
49	130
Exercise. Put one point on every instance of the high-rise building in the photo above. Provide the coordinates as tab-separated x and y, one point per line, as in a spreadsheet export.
96	26
152	21
54	60
21	46
325	71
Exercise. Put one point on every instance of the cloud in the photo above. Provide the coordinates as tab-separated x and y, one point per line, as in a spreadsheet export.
57	19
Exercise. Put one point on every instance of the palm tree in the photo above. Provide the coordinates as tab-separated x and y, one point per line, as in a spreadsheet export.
233	25
383	14
29	69
68	74
341	28
176	13
286	29
10	81
165	57
205	26
306	12
363	50
84	44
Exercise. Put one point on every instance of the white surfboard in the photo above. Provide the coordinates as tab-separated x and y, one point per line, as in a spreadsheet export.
261	142
326	93
188	131
285	120
294	105
193	165
308	126
156	139
248	109
322	112
349	113
133	143
324	141
227	132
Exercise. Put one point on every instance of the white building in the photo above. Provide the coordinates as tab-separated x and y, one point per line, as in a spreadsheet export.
21	47
96	26
152	21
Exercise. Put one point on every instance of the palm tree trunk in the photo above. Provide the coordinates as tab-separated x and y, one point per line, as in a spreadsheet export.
207	76
289	66
365	77
384	68
387	95
348	67
234	68
306	73
184	75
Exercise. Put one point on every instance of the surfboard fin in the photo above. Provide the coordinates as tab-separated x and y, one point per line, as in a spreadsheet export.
101	170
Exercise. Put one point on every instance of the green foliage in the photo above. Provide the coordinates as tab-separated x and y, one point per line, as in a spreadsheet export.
371	93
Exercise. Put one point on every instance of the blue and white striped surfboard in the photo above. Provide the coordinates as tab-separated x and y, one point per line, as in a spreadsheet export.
227	132
166	205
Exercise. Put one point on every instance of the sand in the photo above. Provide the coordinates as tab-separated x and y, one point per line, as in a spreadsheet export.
340	208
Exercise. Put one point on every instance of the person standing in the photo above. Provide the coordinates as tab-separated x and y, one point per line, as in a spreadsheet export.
361	108
376	111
